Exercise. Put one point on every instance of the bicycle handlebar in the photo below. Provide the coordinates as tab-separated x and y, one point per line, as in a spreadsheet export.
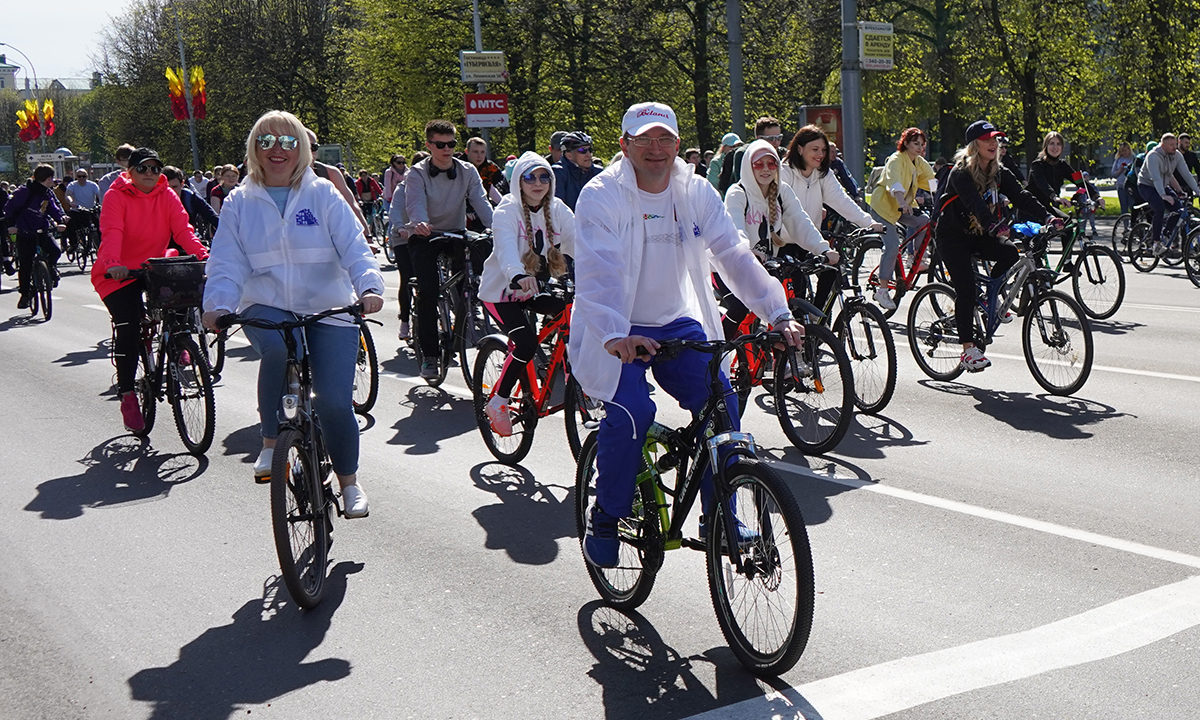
226	321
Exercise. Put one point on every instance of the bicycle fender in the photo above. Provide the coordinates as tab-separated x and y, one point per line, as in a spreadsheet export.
501	337
805	307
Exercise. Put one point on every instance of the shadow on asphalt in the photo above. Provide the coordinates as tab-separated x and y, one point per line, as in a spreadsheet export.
1064	418
871	436
100	351
529	519
117	472
436	415
643	677
251	661
1115	327
246	442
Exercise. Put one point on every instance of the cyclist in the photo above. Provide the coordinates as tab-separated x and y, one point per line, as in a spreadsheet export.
198	211
121	158
335	176
436	191
648	228
1158	184
970	224
765	128
393	177
315	259
84	197
367	190
28	213
904	173
534	233
771	220
1009	161
398	233
490	174
575	168
141	218
1049	171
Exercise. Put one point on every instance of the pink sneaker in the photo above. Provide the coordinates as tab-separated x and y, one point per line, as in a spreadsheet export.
498	414
131	412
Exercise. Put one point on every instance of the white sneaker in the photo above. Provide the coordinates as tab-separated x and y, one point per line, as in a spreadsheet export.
499	415
883	299
405	333
354	502
973	360
262	466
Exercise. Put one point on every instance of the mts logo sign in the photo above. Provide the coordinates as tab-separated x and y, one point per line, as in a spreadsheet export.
486	110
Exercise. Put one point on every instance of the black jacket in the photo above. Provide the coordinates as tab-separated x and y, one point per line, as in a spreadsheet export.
197	208
1010	162
1046	179
965	212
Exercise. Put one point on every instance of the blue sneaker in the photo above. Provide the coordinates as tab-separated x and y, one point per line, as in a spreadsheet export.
746	536
600	544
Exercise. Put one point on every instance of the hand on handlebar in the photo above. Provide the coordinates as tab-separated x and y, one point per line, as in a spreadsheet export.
370	304
117	272
792	331
626	349
832	257
423	228
209	319
876	227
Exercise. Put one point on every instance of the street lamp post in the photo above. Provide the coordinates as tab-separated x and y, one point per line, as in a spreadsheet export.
187	92
42	138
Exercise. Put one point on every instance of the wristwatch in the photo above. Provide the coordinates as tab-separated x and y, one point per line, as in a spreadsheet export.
781	317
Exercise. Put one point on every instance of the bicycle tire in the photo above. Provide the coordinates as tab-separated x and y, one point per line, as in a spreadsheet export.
445	342
81	251
217	353
489	363
1066	325
1191	260
582	415
740	379
1098	282
42	288
389	253
868	341
1141	255
1120	235
190	391
461	344
145	387
866	261
366	373
298	519
933	333
35	295
765	613
626	586
815	410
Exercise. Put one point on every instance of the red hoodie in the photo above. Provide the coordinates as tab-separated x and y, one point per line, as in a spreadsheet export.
136	226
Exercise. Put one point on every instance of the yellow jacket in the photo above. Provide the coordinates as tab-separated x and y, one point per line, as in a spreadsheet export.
901	175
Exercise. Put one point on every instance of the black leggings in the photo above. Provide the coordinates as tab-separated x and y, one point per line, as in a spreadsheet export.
405	267
25	249
127	310
423	253
956	254
516	324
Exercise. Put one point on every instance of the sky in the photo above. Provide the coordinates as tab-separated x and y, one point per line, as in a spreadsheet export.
57	36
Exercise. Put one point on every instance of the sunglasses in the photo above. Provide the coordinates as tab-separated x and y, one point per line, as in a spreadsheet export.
665	141
442	144
541	178
584	149
143	169
771	138
286	142
765	163
81	177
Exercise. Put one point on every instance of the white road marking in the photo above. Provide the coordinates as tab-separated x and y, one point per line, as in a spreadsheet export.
451	389
1172	308
1128	546
101	308
890	687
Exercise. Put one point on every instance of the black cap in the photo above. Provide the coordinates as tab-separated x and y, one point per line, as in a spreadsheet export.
982	129
141	155
579	138
556	139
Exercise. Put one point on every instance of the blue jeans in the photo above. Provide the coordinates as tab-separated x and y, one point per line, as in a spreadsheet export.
891	248
1158	208
1123	196
629	415
333	354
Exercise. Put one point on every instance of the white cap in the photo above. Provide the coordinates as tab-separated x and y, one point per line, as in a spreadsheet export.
643	116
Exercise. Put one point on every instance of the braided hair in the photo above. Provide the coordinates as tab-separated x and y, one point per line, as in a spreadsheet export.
773	210
554	257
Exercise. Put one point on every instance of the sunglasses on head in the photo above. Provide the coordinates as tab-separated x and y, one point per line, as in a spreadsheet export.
443	144
542	178
767	163
144	168
286	142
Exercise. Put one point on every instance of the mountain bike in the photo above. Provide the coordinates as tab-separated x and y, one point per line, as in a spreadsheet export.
366	370
761	583
171	364
1056	336
916	251
41	283
1124	223
531	397
83	242
1096	273
1181	236
303	502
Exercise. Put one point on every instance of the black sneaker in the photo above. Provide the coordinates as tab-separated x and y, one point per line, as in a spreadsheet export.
23	303
429	370
600	544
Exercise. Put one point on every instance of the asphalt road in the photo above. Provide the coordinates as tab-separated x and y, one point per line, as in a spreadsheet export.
982	550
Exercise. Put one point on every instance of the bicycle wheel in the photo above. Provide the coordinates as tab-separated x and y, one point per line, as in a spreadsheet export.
81	250
872	354
1191	260
146	389
366	373
190	391
933	333
298	519
1120	235
463	330
41	290
1057	339
489	363
1141	253
216	353
766	609
627	585
1098	282
583	415
445	341
866	262
815	409
740	378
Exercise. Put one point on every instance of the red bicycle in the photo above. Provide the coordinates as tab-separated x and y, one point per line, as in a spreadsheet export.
918	248
533	395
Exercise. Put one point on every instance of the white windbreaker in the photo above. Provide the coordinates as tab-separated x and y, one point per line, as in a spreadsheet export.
312	259
511	237
608	258
817	190
748	208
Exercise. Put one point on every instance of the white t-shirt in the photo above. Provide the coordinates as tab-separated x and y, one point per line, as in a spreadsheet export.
664	288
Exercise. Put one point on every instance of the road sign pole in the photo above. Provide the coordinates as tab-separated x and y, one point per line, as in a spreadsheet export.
481	87
852	113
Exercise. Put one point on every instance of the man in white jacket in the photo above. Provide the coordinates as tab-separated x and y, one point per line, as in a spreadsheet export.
647	228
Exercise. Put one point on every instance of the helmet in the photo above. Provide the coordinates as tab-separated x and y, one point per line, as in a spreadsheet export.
576	139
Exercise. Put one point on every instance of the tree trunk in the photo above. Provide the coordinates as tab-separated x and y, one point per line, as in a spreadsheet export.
702	78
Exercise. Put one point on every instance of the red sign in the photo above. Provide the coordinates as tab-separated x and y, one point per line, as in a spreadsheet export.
486	110
826	117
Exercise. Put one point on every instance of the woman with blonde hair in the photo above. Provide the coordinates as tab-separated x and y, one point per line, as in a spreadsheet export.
289	245
533	232
971	224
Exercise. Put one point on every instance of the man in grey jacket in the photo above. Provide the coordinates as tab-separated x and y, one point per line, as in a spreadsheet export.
1159	186
436	191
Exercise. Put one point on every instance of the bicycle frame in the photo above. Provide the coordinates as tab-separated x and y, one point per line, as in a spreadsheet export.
540	393
910	275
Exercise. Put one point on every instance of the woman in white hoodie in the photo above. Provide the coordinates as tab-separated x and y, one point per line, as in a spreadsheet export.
289	244
769	217
533	233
